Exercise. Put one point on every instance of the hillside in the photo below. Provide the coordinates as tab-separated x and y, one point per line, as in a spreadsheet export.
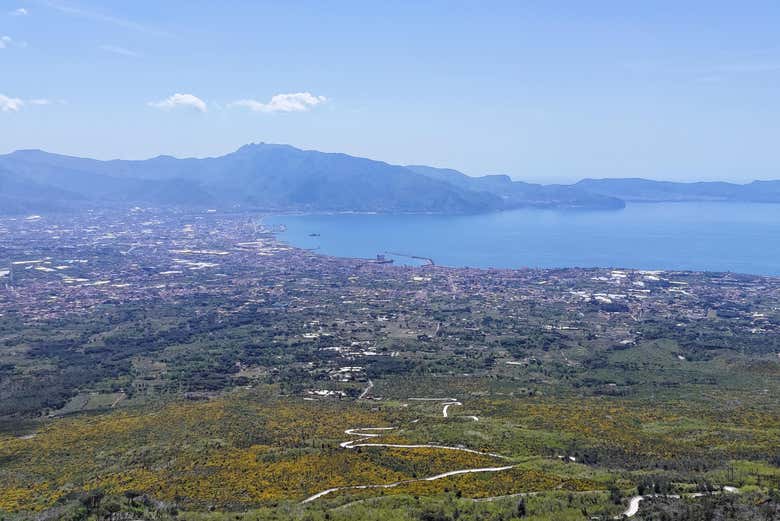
644	190
518	194
270	177
273	177
189	366
264	177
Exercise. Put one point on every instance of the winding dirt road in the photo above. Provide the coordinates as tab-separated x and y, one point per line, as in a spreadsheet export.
447	406
363	434
359	431
366	390
633	503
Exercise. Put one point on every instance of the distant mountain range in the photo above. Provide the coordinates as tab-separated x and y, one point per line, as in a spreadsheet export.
283	178
643	190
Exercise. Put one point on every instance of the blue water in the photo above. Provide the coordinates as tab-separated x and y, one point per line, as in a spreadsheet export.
734	237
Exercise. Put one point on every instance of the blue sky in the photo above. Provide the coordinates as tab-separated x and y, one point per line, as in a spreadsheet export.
541	90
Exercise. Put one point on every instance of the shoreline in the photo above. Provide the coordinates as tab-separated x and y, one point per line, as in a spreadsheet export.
543	240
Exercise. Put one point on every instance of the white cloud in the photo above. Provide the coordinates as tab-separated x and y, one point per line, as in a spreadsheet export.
10	104
293	102
6	42
180	100
20	12
115	49
16	104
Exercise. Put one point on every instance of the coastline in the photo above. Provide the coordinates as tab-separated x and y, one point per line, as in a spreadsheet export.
694	237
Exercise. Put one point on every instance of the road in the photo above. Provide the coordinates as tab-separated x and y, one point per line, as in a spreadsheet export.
366	390
395	484
447	406
633	503
363	434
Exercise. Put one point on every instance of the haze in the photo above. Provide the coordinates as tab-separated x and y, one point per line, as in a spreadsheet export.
544	92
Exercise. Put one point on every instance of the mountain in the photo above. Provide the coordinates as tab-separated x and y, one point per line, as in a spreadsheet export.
268	177
643	190
263	177
71	181
21	195
516	194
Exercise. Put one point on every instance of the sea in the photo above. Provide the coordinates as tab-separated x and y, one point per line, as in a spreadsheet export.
698	236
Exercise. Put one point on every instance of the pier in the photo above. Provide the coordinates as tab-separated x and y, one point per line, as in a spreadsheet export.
427	259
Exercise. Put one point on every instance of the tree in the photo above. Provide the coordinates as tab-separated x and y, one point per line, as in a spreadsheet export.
614	494
521	510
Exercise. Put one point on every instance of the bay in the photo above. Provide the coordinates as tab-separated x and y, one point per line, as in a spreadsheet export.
700	236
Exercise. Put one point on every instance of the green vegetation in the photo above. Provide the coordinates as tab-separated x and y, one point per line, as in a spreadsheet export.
227	394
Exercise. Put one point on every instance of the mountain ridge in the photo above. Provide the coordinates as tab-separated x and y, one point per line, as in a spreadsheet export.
279	177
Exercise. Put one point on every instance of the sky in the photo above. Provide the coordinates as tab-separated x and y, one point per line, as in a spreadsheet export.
545	91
